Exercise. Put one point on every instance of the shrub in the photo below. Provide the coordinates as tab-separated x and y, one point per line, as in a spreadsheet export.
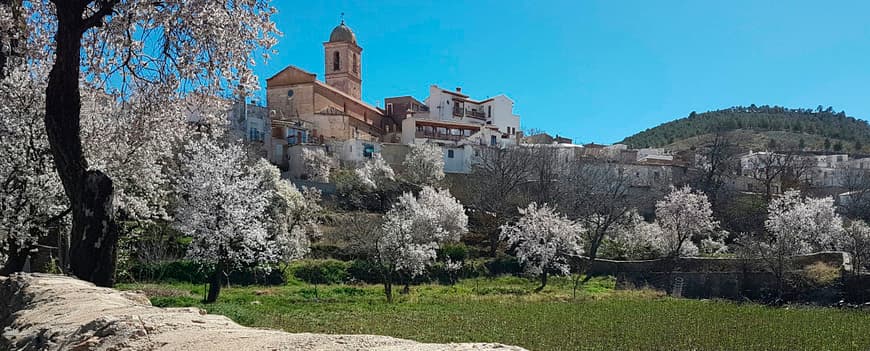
821	274
174	271
184	271
454	252
324	251
320	271
504	264
365	271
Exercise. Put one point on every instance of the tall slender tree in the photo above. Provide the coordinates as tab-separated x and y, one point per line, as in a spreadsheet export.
196	45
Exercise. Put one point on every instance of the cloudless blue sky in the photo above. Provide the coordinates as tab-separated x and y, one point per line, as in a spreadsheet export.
598	70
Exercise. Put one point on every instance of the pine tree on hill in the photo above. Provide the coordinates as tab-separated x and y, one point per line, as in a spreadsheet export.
775	121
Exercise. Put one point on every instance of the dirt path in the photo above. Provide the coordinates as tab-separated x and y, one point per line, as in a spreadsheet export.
50	312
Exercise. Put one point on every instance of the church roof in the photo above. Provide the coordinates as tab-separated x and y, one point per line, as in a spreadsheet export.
342	33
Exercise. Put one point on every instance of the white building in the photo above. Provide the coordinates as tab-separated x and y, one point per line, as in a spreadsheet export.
454	106
249	121
455	122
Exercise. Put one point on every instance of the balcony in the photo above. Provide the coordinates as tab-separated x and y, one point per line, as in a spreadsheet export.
438	136
476	114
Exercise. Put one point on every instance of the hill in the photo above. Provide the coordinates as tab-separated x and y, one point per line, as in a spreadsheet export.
761	127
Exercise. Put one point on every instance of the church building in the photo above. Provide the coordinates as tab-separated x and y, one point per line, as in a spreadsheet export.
305	110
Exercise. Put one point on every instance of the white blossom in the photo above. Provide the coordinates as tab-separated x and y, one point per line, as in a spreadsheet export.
318	164
424	164
638	239
292	215
135	143
684	215
31	195
416	227
856	241
222	207
544	240
375	172
801	225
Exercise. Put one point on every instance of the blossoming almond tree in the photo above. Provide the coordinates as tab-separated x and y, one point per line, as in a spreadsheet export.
803	224
637	239
796	225
424	164
292	216
414	229
222	208
856	241
183	46
684	215
135	143
544	240
31	197
318	165
375	173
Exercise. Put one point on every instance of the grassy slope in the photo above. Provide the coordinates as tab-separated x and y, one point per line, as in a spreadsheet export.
505	311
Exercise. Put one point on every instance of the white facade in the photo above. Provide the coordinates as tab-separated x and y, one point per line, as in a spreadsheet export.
354	152
453	106
658	154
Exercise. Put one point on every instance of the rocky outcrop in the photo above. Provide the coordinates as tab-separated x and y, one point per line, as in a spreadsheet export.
50	312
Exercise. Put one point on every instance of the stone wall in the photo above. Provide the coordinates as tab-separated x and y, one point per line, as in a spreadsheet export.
729	278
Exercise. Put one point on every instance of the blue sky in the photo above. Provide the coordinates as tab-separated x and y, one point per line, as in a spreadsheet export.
598	70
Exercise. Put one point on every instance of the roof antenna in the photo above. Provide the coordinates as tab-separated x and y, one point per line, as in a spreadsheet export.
342	18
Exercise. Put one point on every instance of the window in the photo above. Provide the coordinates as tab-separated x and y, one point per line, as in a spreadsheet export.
466	132
442	131
492	140
489	111
390	108
336	61
455	132
355	64
449	153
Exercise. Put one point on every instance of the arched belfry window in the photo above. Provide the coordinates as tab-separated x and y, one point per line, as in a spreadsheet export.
336	61
355	64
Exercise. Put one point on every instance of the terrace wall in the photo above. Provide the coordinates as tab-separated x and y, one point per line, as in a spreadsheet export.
729	278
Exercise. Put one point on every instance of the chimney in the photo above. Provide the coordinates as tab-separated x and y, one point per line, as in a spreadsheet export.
458	89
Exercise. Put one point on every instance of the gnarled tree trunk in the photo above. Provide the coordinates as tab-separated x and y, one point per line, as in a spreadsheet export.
215	282
94	234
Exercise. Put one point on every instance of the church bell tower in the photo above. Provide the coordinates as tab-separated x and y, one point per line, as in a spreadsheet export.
343	58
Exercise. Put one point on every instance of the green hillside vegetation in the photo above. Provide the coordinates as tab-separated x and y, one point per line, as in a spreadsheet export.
762	127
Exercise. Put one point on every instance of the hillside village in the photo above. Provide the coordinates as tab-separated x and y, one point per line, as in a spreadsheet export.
304	113
150	201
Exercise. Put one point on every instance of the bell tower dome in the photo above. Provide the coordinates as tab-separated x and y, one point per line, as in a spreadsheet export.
343	59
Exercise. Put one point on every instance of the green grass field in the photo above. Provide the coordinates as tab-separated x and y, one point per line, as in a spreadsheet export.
505	310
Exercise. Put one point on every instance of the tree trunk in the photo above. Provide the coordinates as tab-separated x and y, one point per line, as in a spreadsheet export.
388	290
543	282
407	288
214	285
494	238
94	234
593	253
16	260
